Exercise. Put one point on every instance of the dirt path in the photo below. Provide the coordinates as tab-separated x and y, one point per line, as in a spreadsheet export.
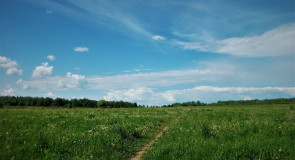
146	147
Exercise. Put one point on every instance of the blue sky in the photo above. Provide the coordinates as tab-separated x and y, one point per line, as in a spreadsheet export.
150	52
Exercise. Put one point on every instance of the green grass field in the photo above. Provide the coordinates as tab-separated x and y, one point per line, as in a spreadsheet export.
235	132
57	133
223	132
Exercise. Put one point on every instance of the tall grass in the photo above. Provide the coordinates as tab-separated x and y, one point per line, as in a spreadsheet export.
56	133
237	132
221	132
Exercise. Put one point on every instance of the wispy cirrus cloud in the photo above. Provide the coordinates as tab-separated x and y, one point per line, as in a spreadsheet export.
276	42
140	68
114	15
153	79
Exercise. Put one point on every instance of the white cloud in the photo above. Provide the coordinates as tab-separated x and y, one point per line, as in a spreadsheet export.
81	49
51	57
42	71
164	78
75	76
209	93
202	93
276	42
20	81
113	14
49	94
70	81
8	92
138	86
135	80
14	71
246	97
140	68
12	66
7	63
193	46
158	37
138	94
48	11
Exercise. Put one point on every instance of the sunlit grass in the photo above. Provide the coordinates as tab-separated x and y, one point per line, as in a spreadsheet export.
58	133
223	132
236	132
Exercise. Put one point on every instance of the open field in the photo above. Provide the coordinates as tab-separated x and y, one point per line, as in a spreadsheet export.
235	132
58	133
221	132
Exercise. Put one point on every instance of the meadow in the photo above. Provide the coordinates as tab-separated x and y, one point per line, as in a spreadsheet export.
59	133
207	132
229	132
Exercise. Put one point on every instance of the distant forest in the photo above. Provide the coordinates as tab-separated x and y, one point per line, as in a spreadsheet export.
87	103
61	102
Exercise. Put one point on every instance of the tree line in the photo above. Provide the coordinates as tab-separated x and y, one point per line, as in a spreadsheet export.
237	102
61	102
256	102
186	104
87	103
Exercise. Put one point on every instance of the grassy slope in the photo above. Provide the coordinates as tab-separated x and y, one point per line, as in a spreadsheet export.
229	132
58	133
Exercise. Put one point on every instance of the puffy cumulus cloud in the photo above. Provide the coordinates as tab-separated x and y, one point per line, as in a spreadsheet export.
14	71
20	81
158	37
70	81
144	95
8	92
49	94
81	49
276	42
7	63
43	70
74	76
12	66
51	57
137	94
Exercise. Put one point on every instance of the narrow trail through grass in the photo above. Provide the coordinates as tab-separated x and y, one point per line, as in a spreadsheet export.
146	147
